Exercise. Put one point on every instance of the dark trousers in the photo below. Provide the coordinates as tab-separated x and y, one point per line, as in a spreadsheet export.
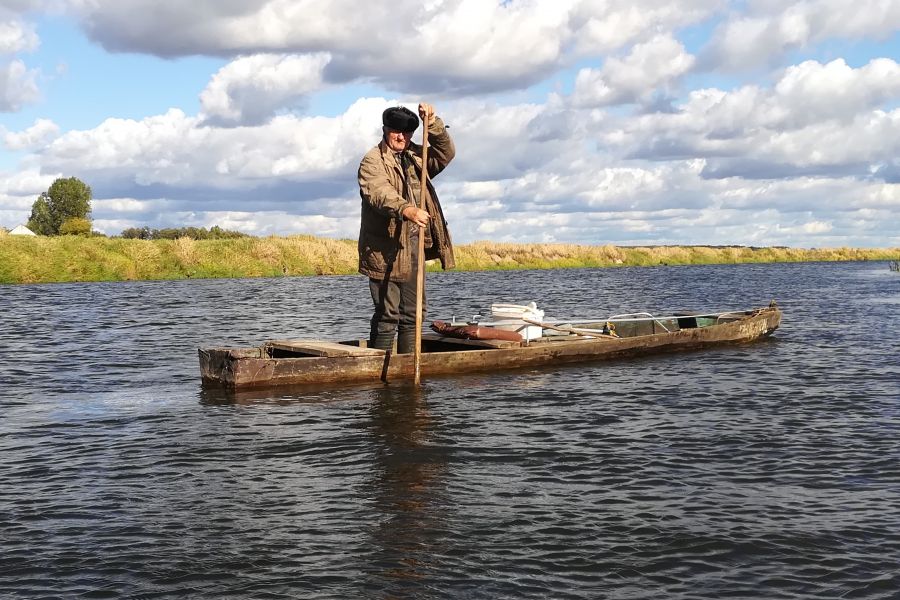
395	309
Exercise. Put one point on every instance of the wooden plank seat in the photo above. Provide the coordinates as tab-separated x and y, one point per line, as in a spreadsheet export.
321	348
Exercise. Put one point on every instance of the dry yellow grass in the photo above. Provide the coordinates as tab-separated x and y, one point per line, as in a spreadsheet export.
69	258
185	250
267	251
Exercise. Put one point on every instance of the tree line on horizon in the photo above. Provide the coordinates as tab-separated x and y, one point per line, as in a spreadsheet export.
65	209
173	233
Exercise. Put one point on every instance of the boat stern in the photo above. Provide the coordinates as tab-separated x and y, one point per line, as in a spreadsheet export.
217	365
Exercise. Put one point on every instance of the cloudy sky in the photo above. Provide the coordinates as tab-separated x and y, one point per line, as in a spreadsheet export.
755	122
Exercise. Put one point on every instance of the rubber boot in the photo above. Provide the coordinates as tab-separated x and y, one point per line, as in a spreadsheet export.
406	342
382	341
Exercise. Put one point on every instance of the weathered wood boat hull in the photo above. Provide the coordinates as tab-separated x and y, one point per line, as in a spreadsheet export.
246	368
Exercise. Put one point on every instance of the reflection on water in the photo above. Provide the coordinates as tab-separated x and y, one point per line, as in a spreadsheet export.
769	470
405	467
408	495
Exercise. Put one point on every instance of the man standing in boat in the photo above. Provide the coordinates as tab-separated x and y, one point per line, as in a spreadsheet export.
391	223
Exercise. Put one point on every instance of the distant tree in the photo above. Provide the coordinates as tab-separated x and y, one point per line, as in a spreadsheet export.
170	233
217	233
138	233
40	221
75	226
66	199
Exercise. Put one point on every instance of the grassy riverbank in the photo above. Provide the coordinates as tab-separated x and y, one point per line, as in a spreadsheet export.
69	258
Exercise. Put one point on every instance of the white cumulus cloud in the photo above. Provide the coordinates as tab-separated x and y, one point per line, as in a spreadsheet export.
252	89
815	119
18	86
601	26
454	47
652	65
813	92
17	37
774	27
35	137
178	150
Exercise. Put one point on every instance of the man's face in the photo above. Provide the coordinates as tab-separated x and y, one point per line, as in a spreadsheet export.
398	141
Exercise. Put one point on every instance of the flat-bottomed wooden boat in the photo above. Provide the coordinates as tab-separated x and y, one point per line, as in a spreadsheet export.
297	362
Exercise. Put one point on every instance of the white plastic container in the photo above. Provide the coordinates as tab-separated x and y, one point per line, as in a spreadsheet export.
509	317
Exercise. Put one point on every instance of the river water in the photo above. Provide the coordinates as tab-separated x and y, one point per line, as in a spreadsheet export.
769	470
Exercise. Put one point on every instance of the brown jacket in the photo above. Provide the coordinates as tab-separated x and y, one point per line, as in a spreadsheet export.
384	248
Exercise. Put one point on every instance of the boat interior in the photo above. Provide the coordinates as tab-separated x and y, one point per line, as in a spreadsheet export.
617	326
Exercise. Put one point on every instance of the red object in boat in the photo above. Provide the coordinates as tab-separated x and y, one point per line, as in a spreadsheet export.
474	332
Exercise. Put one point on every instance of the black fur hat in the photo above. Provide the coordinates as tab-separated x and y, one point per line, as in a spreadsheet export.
400	118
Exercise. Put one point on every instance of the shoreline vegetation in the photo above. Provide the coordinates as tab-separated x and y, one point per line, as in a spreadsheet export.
61	259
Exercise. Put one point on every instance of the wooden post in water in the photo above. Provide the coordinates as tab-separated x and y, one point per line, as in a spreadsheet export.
420	274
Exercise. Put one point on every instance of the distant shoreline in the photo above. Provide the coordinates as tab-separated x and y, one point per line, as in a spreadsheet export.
25	259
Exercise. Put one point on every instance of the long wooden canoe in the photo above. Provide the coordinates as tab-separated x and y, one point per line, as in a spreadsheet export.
297	362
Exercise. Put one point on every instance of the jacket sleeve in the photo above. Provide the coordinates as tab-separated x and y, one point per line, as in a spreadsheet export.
441	149
376	190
